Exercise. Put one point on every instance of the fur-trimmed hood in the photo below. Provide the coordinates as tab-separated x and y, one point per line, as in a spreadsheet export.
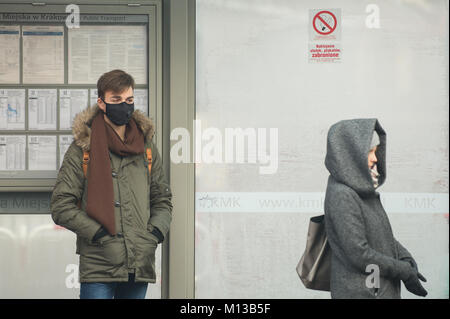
81	128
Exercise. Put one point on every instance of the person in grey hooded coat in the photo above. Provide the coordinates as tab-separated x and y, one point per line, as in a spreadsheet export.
359	233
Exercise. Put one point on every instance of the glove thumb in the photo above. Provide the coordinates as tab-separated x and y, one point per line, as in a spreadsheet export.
421	277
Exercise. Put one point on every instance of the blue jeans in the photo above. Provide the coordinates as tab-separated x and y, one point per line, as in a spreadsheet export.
116	290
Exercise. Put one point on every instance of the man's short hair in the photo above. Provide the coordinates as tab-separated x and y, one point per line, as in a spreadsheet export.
115	81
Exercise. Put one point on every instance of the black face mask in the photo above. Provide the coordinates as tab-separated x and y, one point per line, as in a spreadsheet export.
120	114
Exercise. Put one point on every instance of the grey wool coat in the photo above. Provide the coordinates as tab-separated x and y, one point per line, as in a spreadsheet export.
358	229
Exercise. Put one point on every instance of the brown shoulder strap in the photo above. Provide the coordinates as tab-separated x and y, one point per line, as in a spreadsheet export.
149	159
85	162
85	167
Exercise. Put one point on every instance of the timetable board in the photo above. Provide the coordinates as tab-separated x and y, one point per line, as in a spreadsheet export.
48	74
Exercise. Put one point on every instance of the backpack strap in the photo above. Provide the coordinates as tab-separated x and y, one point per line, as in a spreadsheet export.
85	162
149	159
85	168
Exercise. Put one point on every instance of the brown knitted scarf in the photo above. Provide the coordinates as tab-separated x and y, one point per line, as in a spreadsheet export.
100	196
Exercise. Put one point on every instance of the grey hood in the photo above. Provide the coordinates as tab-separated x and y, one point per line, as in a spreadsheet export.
348	145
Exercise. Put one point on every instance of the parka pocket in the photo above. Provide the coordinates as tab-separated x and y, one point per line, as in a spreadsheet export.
102	258
146	245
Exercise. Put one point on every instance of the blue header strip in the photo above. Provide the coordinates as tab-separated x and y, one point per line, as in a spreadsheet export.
42	33
8	32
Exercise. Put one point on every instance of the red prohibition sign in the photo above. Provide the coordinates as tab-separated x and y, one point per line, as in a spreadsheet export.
317	16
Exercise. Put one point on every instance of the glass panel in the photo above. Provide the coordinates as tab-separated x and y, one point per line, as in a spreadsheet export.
38	260
254	72
37	257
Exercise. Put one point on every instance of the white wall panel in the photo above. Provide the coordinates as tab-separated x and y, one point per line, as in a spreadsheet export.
253	72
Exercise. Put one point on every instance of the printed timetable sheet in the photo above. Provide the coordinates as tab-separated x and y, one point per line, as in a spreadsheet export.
9	54
93	95
12	152
96	49
41	152
141	100
42	109
71	102
43	54
12	109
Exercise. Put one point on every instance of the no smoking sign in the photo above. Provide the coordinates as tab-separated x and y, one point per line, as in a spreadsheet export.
324	22
325	35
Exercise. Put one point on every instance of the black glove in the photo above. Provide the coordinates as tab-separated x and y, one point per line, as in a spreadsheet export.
100	233
158	234
414	286
421	277
413	264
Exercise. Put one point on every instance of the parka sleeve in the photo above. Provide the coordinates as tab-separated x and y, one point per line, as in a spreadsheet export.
346	224
160	195
67	192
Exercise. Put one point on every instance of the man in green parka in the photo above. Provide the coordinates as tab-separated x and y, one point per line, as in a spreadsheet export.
111	191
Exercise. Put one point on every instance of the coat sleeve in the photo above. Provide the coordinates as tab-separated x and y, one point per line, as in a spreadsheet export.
67	192
160	195
347	237
403	253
